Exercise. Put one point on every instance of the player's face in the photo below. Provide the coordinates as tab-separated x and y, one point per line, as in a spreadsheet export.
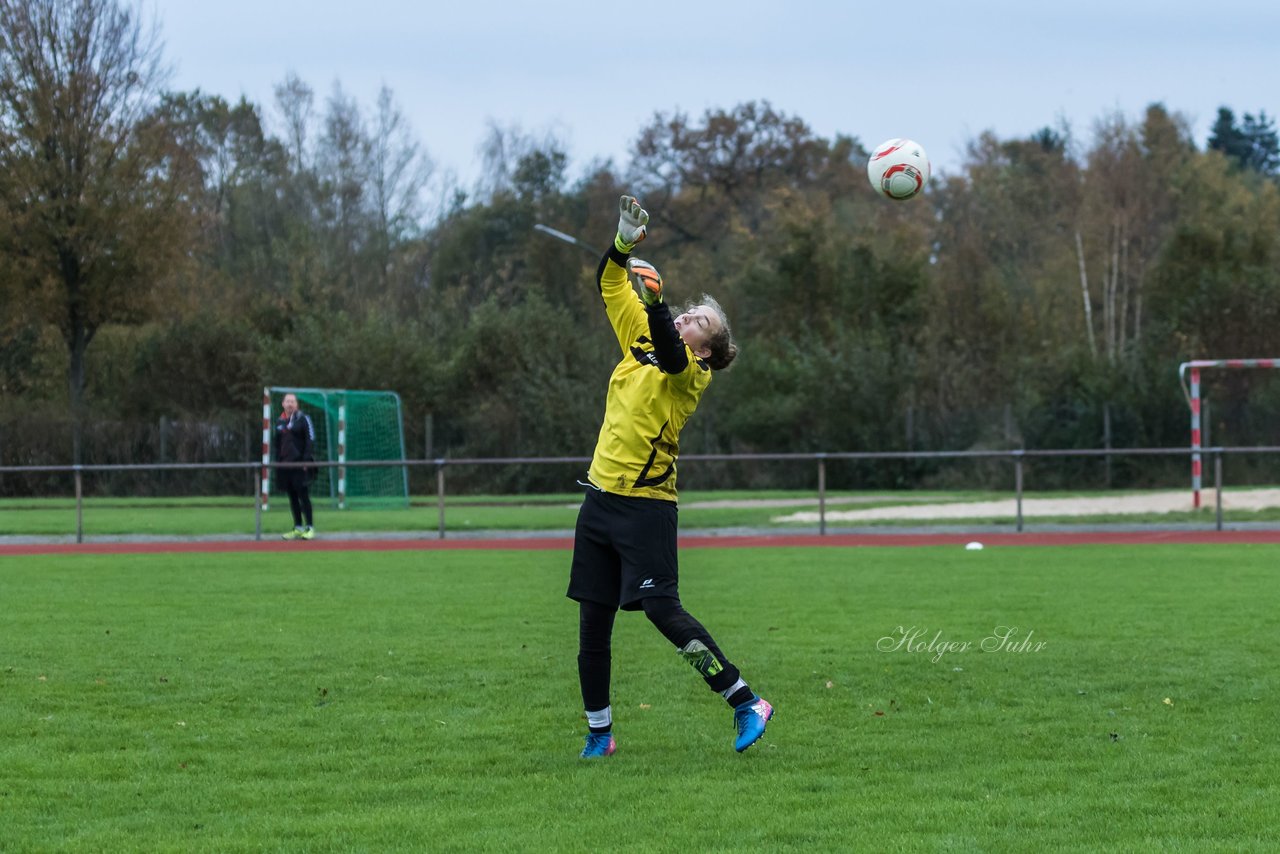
697	326
290	404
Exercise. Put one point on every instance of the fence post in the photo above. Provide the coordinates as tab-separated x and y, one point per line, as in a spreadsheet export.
822	495
1217	485
1017	480
257	505
79	505
1195	438
162	481
440	493
248	453
1106	438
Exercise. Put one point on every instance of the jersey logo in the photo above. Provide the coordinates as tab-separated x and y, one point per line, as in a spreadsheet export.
647	584
644	357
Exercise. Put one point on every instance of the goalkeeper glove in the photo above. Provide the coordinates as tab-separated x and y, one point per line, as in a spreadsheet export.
632	222
644	276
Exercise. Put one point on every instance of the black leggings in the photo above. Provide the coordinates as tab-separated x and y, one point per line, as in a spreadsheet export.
595	630
296	483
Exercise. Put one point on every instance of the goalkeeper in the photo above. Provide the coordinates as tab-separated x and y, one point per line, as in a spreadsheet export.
624	551
295	442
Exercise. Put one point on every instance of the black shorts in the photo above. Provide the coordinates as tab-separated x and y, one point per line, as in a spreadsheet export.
294	480
624	550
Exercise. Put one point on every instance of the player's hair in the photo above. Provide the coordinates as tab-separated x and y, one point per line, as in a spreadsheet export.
722	346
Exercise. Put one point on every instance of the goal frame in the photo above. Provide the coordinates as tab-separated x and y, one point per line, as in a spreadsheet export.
1192	393
339	450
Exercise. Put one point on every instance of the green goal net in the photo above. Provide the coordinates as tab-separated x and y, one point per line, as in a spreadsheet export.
351	427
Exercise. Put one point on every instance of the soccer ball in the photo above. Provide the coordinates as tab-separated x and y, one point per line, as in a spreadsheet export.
898	169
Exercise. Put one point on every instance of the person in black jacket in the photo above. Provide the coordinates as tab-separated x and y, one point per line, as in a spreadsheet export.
295	438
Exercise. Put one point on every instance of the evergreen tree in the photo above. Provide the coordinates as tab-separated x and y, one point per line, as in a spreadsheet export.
1252	144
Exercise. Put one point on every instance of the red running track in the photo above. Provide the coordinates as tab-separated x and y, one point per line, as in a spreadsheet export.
1057	538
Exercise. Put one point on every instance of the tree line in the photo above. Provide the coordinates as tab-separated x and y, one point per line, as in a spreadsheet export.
164	255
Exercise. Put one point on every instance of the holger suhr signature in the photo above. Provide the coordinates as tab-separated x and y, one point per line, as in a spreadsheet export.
918	640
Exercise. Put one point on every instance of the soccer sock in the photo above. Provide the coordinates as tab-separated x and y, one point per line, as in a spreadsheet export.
601	721
738	693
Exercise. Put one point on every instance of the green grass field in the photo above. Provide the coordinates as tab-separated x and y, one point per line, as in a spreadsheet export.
413	701
227	515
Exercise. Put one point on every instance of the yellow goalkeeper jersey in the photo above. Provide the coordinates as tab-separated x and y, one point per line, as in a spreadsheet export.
646	408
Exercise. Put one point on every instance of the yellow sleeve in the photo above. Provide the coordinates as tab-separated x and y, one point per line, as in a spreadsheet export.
621	303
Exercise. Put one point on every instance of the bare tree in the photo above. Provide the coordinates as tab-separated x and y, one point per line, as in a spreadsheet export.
502	151
342	163
398	174
1129	211
400	169
296	102
90	201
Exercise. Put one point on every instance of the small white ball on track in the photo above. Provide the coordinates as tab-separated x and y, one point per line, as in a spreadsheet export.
899	169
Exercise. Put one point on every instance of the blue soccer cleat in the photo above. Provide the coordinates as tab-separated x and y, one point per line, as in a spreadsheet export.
599	744
750	719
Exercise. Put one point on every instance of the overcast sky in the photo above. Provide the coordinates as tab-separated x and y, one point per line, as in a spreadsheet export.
593	73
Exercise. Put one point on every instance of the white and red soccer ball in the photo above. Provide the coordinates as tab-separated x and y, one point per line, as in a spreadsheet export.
898	169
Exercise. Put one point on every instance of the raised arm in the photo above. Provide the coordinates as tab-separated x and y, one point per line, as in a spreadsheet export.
668	348
620	301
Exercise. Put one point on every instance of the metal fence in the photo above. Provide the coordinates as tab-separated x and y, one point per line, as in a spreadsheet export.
1016	458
